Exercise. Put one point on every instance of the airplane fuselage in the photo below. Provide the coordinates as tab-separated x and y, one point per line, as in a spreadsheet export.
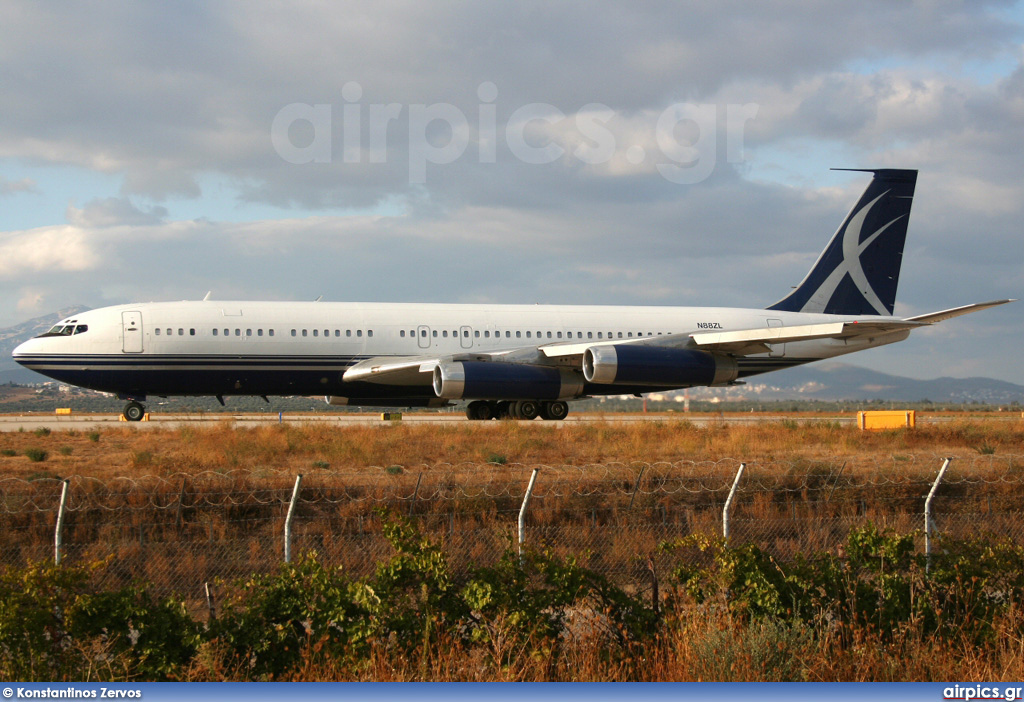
303	348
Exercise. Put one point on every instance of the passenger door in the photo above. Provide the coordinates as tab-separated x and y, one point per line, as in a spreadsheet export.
131	323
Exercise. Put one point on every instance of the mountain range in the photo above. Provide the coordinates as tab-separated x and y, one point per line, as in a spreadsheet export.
822	381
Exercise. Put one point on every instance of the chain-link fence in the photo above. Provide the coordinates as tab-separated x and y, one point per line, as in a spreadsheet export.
181	531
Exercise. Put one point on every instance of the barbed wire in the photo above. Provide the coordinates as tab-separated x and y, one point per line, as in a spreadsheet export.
472	481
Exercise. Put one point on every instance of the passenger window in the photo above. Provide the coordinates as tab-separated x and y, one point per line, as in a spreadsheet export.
476	334
527	335
402	333
157	330
248	332
423	332
293	332
227	332
359	332
316	332
590	335
238	332
559	334
181	332
348	332
600	335
487	334
630	335
191	332
508	334
305	333
327	332
519	334
271	332
445	333
435	333
369	332
259	332
215	332
337	332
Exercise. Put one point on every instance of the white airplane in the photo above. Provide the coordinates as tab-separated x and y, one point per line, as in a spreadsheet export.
508	360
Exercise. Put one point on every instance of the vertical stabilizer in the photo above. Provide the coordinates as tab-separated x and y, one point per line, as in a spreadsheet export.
859	270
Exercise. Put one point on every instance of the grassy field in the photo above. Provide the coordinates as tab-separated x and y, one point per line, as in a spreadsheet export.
296	447
177	507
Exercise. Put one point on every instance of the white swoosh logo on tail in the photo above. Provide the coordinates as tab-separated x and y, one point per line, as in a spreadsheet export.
852	250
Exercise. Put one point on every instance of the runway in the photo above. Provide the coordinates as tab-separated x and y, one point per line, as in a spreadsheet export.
84	422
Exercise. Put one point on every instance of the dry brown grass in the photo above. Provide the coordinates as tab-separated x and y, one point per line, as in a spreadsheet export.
295	448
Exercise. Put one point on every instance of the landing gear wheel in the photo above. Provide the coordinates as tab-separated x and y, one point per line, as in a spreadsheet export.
133	412
554	410
478	410
525	409
503	410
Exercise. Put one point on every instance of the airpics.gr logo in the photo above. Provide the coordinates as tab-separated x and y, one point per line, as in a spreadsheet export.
981	692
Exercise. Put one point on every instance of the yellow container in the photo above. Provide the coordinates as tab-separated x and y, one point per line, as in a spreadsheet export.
62	410
887	419
391	416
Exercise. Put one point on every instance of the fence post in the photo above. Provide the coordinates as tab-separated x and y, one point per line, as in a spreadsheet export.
288	520
728	502
928	524
637	486
412	502
60	522
522	510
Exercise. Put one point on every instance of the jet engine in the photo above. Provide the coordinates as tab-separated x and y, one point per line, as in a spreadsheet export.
504	381
629	364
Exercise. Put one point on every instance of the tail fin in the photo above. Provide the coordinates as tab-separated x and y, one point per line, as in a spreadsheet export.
859	270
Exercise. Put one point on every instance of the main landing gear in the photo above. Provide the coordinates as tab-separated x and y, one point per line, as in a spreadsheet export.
133	412
480	410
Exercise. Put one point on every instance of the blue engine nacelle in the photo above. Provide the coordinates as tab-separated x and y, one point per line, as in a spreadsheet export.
657	366
483	380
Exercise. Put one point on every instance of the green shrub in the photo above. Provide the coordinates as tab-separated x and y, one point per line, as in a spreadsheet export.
8	452
55	626
65	450
36	455
42	431
94	436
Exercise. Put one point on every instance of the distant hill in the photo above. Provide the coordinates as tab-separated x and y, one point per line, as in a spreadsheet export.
11	372
839	381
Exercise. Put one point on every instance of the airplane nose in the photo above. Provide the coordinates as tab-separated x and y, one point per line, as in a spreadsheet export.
24	349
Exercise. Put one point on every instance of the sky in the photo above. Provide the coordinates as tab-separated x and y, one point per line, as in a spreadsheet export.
664	153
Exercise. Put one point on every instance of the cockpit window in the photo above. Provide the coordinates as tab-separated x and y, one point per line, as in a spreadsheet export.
65	330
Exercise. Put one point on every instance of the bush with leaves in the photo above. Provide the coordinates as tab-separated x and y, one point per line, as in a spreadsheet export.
55	626
882	585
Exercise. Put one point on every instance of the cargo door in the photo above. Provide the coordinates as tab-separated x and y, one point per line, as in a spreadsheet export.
131	323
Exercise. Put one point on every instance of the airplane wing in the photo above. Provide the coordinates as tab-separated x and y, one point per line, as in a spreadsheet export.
743	341
418	370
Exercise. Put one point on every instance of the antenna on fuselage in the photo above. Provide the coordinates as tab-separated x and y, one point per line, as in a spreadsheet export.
207	297
319	298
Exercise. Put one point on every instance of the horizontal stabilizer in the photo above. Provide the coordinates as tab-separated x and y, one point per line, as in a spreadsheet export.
942	316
